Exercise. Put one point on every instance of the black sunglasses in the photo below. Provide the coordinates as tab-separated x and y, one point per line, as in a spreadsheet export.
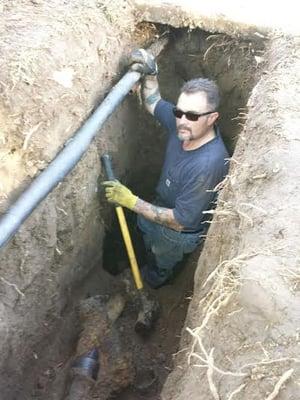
189	115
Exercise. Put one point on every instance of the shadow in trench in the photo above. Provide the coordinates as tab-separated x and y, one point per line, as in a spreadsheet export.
230	62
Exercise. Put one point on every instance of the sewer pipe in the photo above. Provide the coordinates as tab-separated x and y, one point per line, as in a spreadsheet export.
65	161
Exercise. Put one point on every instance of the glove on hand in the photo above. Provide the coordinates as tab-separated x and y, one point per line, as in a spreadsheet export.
115	192
142	61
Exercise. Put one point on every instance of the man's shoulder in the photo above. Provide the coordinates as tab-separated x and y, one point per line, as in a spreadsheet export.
163	113
217	148
163	104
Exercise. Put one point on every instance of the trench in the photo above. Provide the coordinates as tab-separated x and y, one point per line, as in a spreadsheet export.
137	367
143	364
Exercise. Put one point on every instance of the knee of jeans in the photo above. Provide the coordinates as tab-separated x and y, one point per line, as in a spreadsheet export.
162	247
166	260
159	250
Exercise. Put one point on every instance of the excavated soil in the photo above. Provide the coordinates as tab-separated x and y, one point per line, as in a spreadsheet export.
241	336
58	61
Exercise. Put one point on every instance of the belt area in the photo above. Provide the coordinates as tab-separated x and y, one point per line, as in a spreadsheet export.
191	232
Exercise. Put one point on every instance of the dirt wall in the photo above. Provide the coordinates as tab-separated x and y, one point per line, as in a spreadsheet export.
241	339
243	20
58	60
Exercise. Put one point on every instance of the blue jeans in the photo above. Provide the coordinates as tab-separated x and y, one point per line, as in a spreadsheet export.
166	247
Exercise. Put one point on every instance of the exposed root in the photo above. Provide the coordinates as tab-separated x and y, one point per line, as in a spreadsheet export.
267	362
279	384
227	265
255	207
260	176
225	43
246	217
291	277
221	184
219	212
207	360
29	134
226	209
224	286
226	281
12	285
235	161
241	116
236	391
210	372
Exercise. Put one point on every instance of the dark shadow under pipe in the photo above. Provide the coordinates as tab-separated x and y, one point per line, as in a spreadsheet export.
65	161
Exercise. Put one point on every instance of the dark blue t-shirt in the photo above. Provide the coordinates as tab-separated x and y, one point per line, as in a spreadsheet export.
188	177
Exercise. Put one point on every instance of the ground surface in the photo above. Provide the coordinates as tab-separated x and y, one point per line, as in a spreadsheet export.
156	351
151	353
230	17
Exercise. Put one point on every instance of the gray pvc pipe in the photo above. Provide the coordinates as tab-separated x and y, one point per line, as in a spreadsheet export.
65	161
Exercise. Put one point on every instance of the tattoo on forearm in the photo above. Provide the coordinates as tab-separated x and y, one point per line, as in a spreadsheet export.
153	97
160	215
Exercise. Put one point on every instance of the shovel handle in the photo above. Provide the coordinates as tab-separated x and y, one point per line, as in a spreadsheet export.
107	164
129	248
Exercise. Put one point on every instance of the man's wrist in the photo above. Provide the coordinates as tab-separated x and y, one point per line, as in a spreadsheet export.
151	77
132	202
150	81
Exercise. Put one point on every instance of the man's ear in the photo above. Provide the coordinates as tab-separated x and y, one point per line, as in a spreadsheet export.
213	118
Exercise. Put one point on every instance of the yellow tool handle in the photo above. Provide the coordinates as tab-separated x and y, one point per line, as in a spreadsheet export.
130	251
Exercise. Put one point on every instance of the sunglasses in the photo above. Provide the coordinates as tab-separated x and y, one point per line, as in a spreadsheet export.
189	115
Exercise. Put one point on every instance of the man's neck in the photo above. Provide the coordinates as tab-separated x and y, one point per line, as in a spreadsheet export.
188	145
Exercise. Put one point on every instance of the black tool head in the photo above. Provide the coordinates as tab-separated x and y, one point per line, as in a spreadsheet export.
147	316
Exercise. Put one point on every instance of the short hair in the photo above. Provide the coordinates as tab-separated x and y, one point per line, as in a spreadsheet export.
205	85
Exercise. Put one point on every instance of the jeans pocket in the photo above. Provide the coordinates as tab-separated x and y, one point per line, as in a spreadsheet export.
191	243
171	235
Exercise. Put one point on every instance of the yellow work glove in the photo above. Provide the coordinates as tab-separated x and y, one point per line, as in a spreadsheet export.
115	192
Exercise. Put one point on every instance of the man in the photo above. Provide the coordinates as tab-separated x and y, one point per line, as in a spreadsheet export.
194	164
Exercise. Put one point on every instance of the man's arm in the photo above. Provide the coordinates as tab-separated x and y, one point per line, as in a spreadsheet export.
142	61
160	215
150	92
119	194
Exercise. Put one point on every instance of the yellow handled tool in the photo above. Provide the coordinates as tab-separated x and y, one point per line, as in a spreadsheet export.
129	248
106	161
150	308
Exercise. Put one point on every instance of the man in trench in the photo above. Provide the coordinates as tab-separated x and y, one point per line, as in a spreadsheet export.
195	163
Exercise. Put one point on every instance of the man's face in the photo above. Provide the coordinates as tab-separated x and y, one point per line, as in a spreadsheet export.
191	130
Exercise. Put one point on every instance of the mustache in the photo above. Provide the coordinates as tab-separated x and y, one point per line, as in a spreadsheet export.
183	126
